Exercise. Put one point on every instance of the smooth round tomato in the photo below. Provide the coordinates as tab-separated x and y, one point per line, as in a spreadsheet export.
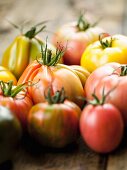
6	75
111	76
108	49
101	127
76	36
54	125
10	133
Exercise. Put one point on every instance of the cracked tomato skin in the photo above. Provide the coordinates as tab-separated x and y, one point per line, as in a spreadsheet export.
55	125
10	133
56	77
101	127
76	41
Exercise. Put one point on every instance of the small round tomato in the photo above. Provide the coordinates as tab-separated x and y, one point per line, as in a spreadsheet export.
101	127
6	75
56	123
10	133
76	36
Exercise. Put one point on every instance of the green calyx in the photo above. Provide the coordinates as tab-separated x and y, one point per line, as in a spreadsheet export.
33	31
58	97
105	43
97	101
49	59
83	24
11	91
123	70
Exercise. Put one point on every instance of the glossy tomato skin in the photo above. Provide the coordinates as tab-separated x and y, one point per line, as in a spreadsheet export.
54	125
55	77
19	105
76	41
95	55
108	76
101	127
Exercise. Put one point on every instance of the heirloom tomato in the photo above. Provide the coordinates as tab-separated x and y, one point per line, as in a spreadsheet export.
108	49
111	75
6	75
101	125
76	36
23	50
16	99
47	72
54	123
10	133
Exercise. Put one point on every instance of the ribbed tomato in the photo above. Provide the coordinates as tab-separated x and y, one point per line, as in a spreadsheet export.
55	123
47	73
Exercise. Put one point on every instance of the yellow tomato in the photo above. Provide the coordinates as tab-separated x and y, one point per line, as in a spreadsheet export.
109	49
6	75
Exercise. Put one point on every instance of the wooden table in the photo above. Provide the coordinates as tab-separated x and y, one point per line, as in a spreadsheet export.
78	156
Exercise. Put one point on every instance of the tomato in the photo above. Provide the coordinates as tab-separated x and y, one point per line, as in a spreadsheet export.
6	75
101	127
16	99
76	36
48	73
109	49
10	133
111	75
56	122
82	73
99	123
23	50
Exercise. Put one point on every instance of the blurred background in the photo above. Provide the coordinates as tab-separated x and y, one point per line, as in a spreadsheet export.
112	13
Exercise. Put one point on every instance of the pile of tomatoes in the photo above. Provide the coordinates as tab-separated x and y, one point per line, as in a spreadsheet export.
54	92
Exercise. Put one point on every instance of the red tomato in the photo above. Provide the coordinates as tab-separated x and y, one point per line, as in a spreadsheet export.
112	75
76	36
19	104
54	124
101	127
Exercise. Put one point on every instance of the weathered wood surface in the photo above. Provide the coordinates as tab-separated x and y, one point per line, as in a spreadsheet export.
75	157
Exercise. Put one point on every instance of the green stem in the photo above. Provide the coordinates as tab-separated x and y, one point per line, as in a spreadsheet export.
96	100
10	91
105	43
48	58
83	24
123	70
33	32
58	97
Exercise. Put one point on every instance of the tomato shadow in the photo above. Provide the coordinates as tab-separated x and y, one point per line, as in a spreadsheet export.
31	146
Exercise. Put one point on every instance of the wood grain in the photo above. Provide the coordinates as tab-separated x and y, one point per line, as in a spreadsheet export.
113	13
